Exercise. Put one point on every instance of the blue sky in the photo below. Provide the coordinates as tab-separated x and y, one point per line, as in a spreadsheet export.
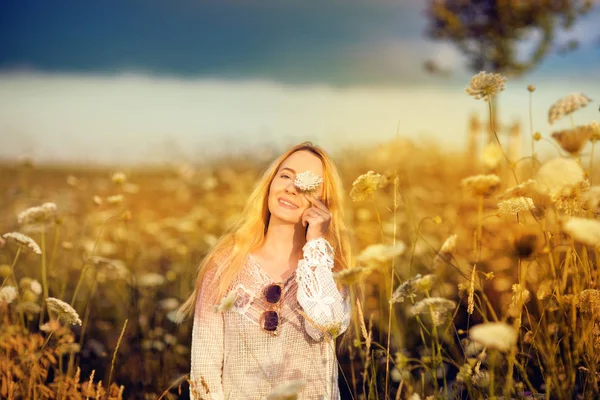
116	80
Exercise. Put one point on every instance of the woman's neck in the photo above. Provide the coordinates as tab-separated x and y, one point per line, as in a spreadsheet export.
284	241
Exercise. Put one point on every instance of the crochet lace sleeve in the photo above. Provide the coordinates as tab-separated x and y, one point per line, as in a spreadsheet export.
207	346
327	310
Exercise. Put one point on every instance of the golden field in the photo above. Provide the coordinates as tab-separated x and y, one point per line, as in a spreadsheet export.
478	273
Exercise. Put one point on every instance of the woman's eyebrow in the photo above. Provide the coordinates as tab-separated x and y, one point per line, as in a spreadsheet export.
287	169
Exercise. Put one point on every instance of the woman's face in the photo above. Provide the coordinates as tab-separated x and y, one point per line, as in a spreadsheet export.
285	202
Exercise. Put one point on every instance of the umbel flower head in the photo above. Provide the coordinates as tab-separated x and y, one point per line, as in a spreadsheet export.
63	310
380	253
486	85
438	308
8	294
515	205
573	140
351	276
494	335
481	185
583	230
567	105
557	176
46	213
366	184
307	181
24	241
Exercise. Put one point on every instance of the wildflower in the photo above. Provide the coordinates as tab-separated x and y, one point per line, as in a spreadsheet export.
494	335
567	105
72	180
5	270
63	310
50	326
524	189
8	294
405	290
28	307
589	302
481	379
150	279
481	185
449	244
486	85
115	199
175	316
583	230
307	181
438	308
424	284
41	215
380	253
226	302
471	348
464	373
287	390
97	200
351	276
537	136
492	155
119	178
24	241
515	205
35	287
519	298
531	88
366	184
573	140
169	304
557	175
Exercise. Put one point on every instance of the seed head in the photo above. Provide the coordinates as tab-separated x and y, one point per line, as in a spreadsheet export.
481	185
366	184
63	310
494	335
567	105
486	85
24	241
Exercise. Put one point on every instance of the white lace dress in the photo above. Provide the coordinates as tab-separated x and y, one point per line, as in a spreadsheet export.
234	358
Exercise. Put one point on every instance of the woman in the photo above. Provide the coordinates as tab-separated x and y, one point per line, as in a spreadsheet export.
279	309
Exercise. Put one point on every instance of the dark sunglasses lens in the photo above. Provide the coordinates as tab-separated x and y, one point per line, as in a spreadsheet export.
273	293
270	321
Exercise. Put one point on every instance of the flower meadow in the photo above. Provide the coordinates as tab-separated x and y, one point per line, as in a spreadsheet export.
475	273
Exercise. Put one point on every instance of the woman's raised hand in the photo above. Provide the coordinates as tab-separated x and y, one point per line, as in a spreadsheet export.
317	217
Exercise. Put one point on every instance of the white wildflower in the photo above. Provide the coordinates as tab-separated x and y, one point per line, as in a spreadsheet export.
150	279
380	253
63	310
515	205
573	140
524	189
366	184
287	390
115	199
557	175
492	155
169	304
438	308
449	244
583	230
486	85
481	185
46	213
119	178
351	276
307	181
226	302
23	240
8	294
567	105
494	335
35	287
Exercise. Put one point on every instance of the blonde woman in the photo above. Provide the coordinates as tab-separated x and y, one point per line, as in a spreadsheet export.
266	307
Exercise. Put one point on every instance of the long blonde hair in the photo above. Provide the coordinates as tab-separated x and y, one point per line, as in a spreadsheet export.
229	254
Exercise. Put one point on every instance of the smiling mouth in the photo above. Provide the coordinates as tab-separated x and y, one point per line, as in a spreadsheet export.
287	204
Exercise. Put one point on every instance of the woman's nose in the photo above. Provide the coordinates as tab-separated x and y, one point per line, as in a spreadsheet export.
291	188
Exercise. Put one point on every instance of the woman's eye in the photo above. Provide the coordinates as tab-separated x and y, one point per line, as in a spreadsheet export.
286	176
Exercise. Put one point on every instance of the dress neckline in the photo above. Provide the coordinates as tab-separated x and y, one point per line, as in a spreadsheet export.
264	273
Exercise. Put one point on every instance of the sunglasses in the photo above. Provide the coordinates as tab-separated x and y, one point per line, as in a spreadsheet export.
270	318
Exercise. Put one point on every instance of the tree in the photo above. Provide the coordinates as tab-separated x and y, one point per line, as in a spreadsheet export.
489	32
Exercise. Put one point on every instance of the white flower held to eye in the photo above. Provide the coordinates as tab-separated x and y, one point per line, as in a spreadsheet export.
307	181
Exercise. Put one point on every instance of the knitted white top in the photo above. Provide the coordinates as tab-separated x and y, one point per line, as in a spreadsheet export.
234	358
